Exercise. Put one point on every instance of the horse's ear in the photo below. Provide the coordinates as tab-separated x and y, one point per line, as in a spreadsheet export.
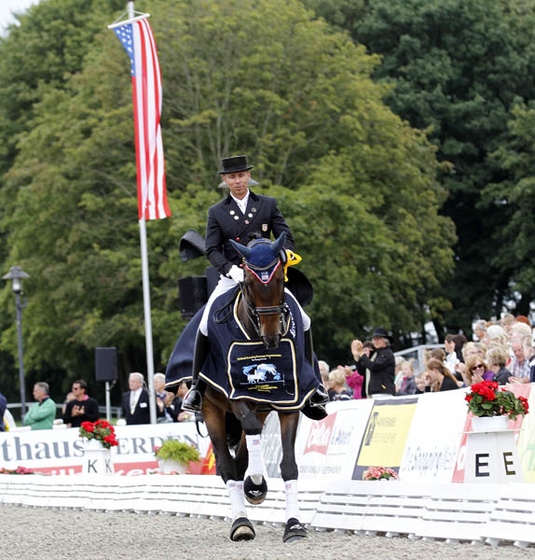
242	249
278	245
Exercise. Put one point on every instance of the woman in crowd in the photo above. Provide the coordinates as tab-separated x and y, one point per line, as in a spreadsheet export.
497	357
477	371
439	376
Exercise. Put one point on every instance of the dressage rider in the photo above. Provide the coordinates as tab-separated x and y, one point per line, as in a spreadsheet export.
240	214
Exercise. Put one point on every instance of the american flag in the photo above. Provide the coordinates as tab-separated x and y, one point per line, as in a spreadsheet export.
138	41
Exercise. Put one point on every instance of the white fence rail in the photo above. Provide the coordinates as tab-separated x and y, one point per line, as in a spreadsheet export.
479	513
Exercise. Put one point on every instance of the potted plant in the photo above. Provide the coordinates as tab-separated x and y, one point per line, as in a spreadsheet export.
487	401
101	431
99	438
380	473
174	456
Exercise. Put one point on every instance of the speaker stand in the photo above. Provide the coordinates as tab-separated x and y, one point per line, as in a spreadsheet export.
108	400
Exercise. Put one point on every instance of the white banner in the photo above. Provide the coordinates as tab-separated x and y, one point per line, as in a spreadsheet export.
434	437
62	451
329	447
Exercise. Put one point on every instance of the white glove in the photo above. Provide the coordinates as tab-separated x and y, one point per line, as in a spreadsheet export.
236	273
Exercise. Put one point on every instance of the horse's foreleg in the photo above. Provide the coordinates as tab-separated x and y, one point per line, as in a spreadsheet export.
289	471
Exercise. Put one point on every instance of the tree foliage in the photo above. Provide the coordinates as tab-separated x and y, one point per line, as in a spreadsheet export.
356	184
458	68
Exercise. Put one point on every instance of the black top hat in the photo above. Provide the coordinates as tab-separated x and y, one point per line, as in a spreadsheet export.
234	164
381	333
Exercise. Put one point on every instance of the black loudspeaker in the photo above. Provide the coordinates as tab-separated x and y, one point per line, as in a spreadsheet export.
192	295
106	364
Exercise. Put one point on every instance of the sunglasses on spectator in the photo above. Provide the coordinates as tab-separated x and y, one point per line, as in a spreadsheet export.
478	366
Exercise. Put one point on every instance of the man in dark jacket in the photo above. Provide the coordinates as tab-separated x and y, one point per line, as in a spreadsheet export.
82	408
381	363
238	215
136	409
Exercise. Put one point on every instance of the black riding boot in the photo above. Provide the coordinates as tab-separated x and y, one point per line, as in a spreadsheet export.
193	400
320	397
314	407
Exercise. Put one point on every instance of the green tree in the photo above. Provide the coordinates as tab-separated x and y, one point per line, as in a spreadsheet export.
295	96
458	67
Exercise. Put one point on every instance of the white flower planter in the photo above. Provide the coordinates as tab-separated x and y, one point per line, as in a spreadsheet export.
97	458
168	466
490	423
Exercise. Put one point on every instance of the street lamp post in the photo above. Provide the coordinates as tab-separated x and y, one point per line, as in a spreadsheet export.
16	274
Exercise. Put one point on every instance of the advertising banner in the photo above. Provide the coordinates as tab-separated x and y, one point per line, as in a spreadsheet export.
434	437
62	451
329	447
386	433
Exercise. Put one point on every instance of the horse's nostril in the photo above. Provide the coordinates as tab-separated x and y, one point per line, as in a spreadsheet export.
271	341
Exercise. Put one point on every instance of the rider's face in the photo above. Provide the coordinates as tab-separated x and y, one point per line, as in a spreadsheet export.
237	183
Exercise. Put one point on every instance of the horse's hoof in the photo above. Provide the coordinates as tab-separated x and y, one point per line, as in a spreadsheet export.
242	530
294	531
255	493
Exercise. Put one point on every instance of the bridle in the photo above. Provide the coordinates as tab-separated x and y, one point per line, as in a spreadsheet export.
254	313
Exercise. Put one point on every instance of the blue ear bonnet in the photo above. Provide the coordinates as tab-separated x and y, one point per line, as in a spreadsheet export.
262	257
262	254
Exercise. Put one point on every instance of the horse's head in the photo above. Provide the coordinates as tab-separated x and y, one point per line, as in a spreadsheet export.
263	288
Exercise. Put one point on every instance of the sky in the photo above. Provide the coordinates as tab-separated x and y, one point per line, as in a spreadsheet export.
7	7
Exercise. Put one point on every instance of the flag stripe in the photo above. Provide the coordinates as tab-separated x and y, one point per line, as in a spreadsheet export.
138	41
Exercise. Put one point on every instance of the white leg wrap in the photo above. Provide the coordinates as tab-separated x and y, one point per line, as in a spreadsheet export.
256	466
237	500
292	504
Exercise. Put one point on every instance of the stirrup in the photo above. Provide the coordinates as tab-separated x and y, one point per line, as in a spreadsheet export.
192	401
319	398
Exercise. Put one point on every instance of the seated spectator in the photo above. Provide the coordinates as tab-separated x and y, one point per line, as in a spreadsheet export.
506	322
470	349
42	413
497	357
324	371
439	376
408	385
163	415
480	331
496	336
337	389
519	364
477	371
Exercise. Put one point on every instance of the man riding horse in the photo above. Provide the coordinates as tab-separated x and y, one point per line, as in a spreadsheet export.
235	218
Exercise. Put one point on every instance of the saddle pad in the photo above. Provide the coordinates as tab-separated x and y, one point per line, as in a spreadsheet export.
256	373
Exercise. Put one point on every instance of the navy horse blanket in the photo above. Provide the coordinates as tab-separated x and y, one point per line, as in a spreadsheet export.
243	368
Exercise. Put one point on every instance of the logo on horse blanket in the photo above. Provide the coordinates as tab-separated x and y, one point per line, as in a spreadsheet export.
245	369
256	372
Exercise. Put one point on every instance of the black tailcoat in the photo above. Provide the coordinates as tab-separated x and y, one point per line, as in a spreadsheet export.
226	221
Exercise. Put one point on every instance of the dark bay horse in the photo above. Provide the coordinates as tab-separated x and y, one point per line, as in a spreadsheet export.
234	420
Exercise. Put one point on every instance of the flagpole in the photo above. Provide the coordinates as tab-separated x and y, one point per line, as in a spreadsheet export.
146	294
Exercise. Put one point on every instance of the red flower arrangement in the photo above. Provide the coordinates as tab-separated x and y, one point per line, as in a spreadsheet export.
18	470
487	399
101	430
